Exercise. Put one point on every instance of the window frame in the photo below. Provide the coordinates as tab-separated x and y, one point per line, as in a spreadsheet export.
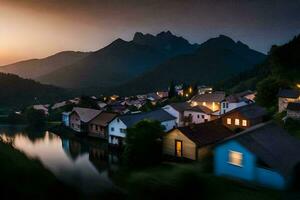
241	160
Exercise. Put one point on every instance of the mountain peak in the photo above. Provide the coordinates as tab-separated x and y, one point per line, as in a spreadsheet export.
165	34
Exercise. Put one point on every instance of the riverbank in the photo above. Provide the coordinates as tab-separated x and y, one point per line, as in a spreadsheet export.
23	178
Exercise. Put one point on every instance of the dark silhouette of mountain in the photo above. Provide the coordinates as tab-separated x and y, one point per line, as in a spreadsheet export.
37	67
216	59
120	61
19	92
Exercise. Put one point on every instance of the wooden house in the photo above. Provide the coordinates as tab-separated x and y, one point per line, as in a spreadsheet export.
286	96
80	117
244	117
265	154
98	126
194	142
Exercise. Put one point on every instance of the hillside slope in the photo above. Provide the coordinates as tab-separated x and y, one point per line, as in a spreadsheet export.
216	59
120	61
37	67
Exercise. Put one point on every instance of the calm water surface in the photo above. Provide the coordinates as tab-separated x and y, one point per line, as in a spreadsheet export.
80	162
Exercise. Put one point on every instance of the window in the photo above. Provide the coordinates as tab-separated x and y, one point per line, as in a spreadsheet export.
235	158
237	122
244	122
122	130
112	129
228	120
203	116
178	148
204	103
198	116
118	120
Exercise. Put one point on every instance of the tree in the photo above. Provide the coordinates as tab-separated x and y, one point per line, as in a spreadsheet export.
143	144
88	102
172	90
35	118
267	91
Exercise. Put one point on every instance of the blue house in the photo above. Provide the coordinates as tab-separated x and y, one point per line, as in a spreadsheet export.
66	118
265	154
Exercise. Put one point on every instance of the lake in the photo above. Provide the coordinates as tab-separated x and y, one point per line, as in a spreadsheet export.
81	162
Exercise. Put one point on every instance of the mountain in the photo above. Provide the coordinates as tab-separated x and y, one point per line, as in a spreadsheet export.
216	59
16	91
120	61
281	69
37	67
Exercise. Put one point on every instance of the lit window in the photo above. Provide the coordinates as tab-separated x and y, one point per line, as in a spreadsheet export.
204	103
228	120
244	122
235	158
237	122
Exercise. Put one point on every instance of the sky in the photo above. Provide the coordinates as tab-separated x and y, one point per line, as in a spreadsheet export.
39	28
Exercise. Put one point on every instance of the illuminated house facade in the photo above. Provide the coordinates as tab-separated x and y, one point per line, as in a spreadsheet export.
264	154
194	142
210	100
244	117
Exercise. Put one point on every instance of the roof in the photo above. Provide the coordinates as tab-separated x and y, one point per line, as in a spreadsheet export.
295	106
104	118
217	96
245	93
206	133
289	93
236	98
273	145
86	114
157	115
185	106
250	111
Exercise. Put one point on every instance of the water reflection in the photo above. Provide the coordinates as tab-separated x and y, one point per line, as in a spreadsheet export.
86	164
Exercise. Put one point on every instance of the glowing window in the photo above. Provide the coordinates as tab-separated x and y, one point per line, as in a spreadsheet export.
204	104
237	122
235	158
244	123
228	120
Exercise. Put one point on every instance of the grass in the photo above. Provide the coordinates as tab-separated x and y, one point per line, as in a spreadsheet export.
180	181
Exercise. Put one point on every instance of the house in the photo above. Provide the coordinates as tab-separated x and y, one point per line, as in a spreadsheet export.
265	154
163	94
118	126
98	126
203	89
210	100
248	94
293	110
41	107
186	114
66	118
286	96
80	117
244	117
234	101
194	142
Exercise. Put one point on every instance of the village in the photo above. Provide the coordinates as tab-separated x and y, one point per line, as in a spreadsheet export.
245	143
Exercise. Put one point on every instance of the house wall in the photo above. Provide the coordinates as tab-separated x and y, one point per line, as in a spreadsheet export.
269	178
249	170
237	115
293	114
75	122
224	168
188	146
231	106
197	117
115	136
214	106
66	120
283	102
174	113
96	130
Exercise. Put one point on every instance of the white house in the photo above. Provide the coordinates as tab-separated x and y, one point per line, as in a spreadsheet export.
66	118
117	128
186	114
234	101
